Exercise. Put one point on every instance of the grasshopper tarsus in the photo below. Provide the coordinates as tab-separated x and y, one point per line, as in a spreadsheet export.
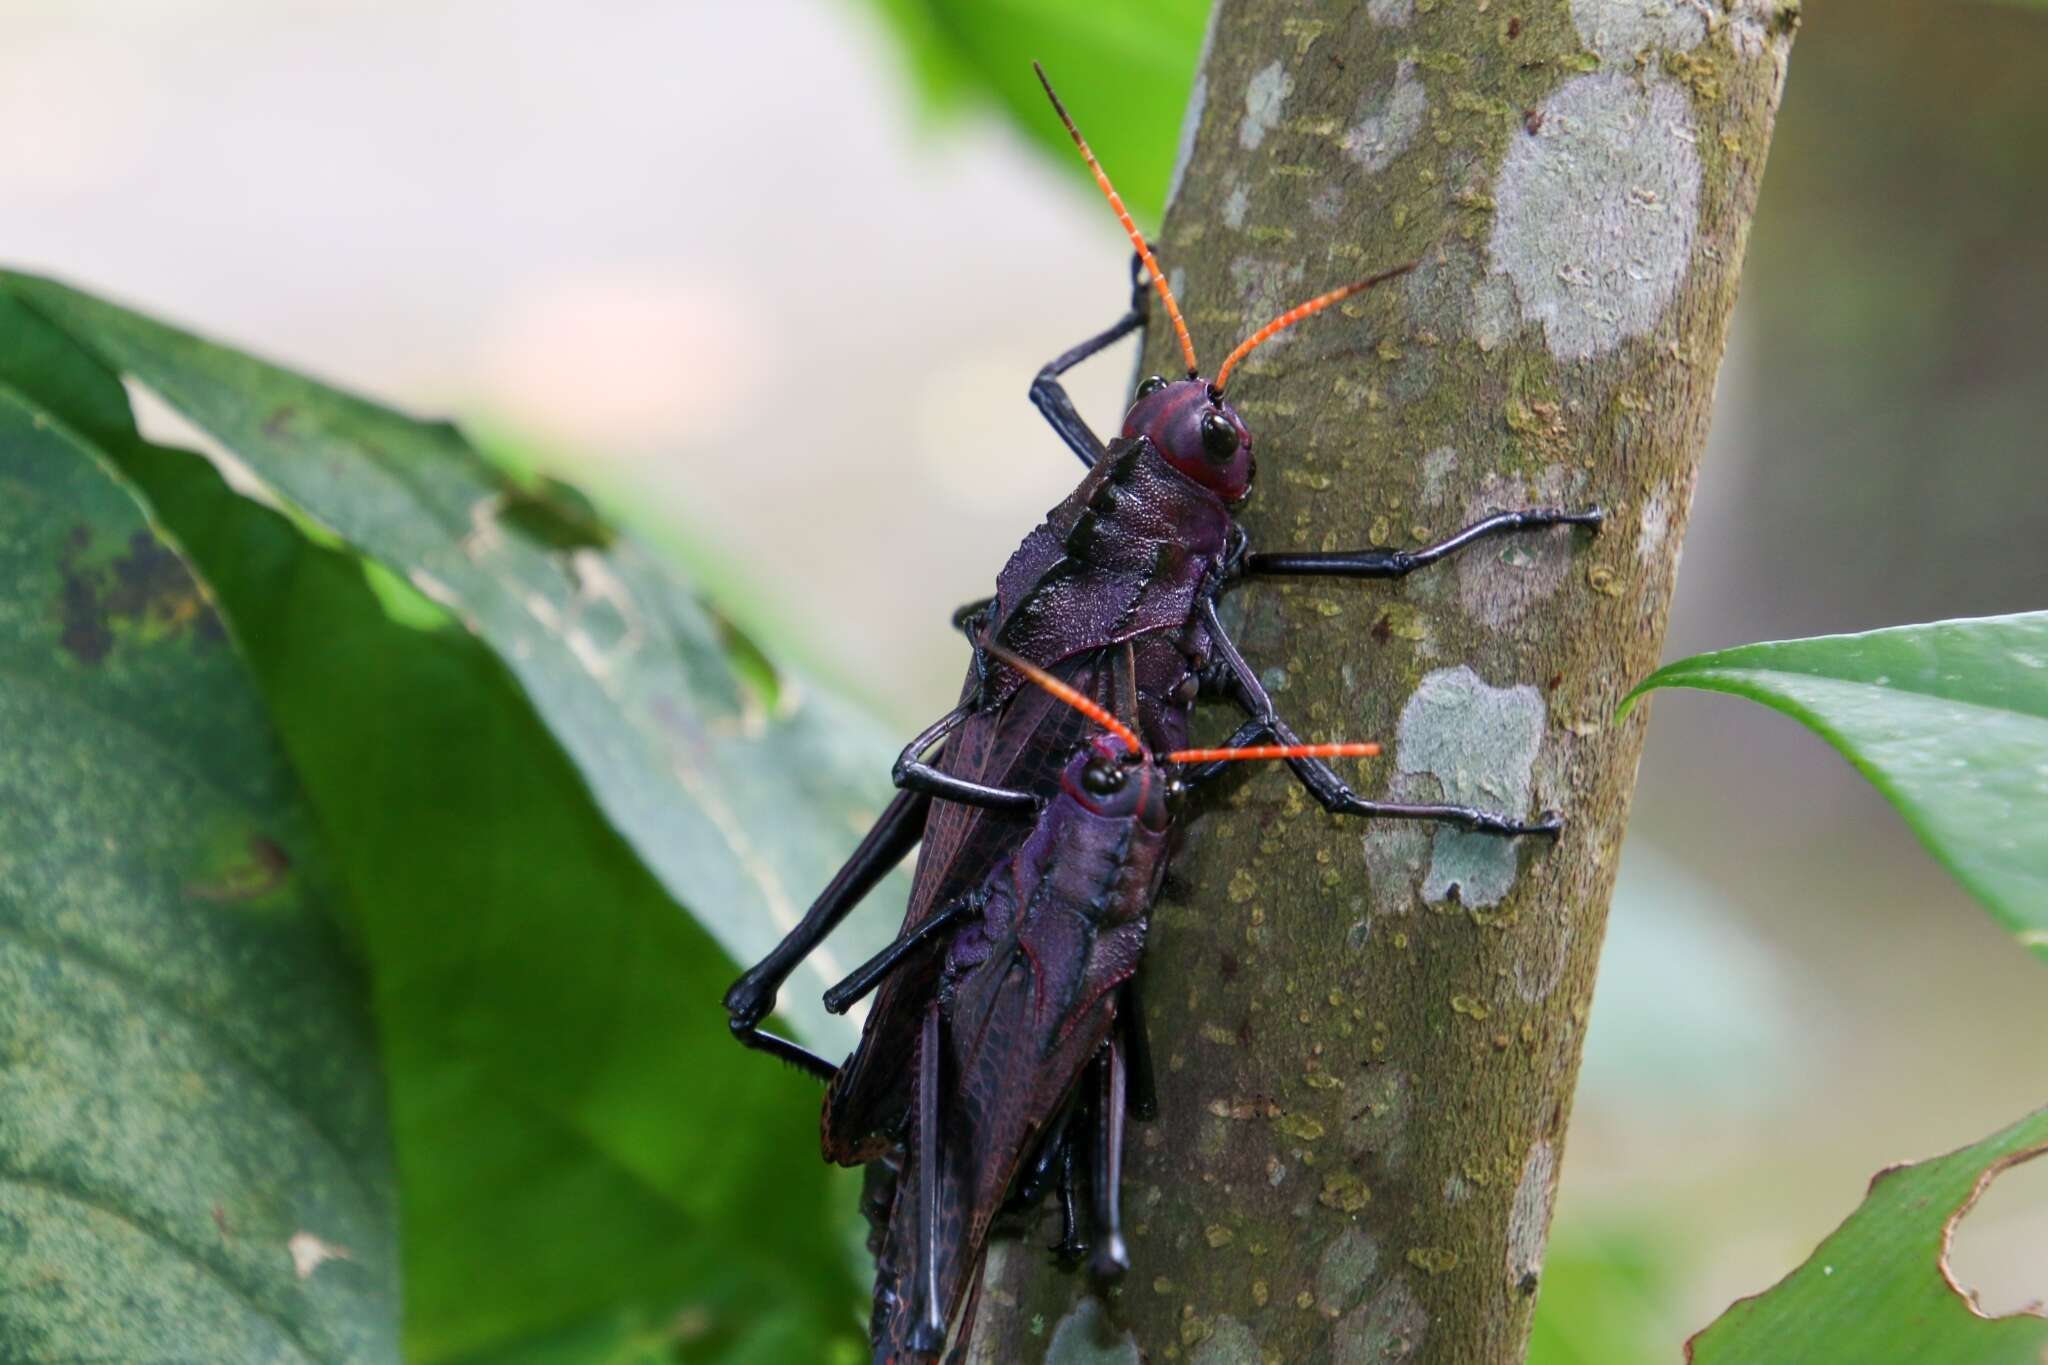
1109	1261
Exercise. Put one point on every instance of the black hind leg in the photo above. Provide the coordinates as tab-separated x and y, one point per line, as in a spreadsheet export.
1108	1258
752	998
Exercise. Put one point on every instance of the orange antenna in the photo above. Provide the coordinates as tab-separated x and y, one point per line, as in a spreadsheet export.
1087	706
1123	215
1367	750
1296	314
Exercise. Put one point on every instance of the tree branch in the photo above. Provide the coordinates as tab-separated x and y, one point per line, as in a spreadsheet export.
1368	1035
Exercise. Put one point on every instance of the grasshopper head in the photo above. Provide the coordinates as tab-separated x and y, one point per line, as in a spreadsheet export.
1109	778
1194	426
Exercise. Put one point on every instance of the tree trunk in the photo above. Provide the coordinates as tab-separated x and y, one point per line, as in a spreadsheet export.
1367	1035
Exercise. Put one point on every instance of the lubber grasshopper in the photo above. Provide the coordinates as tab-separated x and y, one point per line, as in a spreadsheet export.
1025	1002
1128	567
1115	594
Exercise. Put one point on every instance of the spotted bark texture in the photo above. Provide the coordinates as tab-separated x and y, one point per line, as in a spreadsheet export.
1368	1034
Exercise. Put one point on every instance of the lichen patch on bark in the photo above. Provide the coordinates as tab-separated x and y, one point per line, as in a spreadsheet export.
1480	743
1388	121
1618	29
1085	1336
1390	13
1229	1342
1530	1217
1499	584
1597	210
1388	1327
1344	1268
1265	99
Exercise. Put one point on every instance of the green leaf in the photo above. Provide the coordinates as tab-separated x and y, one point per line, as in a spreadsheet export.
1949	721
194	1163
1876	1291
583	1152
1124	68
741	803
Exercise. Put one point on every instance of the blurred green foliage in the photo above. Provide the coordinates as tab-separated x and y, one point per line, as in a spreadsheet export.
1123	67
1605	1291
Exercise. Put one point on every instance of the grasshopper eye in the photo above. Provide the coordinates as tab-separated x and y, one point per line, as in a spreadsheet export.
1219	437
1102	779
1151	386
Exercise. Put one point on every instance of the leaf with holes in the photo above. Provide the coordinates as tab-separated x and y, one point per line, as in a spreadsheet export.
194	1150
1878	1290
741	803
1949	721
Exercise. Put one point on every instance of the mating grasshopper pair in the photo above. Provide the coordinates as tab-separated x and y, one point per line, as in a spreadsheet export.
1046	816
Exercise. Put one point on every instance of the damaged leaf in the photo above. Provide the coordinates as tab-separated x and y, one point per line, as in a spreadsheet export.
741	811
1948	720
1878	1290
191	1093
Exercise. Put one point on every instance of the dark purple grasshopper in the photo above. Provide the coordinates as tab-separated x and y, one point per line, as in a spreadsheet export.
1115	594
1129	567
1026	1001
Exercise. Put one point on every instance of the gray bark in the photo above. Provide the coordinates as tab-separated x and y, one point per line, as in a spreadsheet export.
1368	1035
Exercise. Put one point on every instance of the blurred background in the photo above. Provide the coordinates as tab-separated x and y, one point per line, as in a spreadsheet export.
772	279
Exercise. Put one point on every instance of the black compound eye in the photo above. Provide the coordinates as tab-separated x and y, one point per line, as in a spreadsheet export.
1219	437
1151	386
1102	779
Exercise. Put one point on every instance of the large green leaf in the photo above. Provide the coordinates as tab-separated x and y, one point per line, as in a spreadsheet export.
1949	721
741	803
1124	68
1877	1291
194	1163
585	1156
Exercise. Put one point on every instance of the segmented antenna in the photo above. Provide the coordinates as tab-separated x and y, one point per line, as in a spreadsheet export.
1296	314
1086	705
1365	750
1116	203
1100	714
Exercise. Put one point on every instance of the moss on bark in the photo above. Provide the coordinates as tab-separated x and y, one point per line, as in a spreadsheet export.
1368	1034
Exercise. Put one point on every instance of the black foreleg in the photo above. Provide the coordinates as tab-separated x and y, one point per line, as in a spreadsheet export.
1049	396
913	774
1322	780
1379	562
752	997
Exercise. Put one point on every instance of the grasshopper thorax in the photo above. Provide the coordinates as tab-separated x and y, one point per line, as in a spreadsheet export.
1193	425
